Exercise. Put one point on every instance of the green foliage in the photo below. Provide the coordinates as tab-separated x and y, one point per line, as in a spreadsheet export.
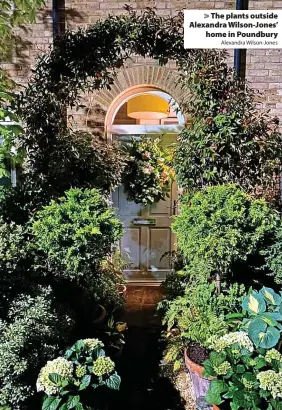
76	380
243	377
273	257
10	152
30	334
222	230
14	13
80	159
114	335
263	317
148	175
103	288
76	232
13	255
65	71
230	139
200	314
18	204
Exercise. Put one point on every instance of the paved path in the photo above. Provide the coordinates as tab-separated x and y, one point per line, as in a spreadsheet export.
142	386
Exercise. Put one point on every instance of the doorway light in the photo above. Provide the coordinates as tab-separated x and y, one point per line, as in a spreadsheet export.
147	107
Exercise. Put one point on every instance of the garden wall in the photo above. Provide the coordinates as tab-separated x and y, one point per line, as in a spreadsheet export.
264	67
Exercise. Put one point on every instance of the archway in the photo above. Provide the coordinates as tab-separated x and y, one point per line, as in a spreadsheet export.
68	70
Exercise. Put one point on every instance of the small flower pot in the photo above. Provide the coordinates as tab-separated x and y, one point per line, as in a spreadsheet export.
101	315
200	383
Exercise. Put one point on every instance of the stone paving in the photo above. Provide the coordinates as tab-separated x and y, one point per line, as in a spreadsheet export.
143	386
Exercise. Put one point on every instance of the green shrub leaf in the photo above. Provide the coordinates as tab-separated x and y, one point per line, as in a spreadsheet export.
51	403
72	402
56	378
217	387
113	382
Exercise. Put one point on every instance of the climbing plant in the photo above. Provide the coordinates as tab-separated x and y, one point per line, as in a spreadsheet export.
229	139
66	71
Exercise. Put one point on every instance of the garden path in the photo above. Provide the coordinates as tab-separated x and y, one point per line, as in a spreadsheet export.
145	385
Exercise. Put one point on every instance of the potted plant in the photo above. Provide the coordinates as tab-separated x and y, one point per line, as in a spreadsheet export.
114	266
244	377
114	336
80	379
192	320
246	365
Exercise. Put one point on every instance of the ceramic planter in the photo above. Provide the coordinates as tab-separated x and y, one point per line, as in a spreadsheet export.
200	383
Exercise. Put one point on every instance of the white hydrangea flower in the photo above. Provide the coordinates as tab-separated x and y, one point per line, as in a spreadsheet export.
271	381
60	366
240	338
93	343
273	354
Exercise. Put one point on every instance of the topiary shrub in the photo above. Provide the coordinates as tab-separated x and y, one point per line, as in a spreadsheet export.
31	333
223	230
76	232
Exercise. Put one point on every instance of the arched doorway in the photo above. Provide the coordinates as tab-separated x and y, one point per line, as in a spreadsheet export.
148	240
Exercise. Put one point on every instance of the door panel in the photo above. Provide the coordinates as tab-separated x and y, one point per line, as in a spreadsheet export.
144	245
130	246
159	243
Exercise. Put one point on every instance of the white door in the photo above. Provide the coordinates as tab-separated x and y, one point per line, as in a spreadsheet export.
147	237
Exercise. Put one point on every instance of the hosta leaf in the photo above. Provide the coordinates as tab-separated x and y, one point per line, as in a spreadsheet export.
270	296
254	303
273	315
263	335
268	319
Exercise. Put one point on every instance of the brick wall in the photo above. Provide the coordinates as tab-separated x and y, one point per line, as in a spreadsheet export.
264	67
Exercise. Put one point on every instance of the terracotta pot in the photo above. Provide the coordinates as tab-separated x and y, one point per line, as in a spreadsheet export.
196	368
102	314
200	383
